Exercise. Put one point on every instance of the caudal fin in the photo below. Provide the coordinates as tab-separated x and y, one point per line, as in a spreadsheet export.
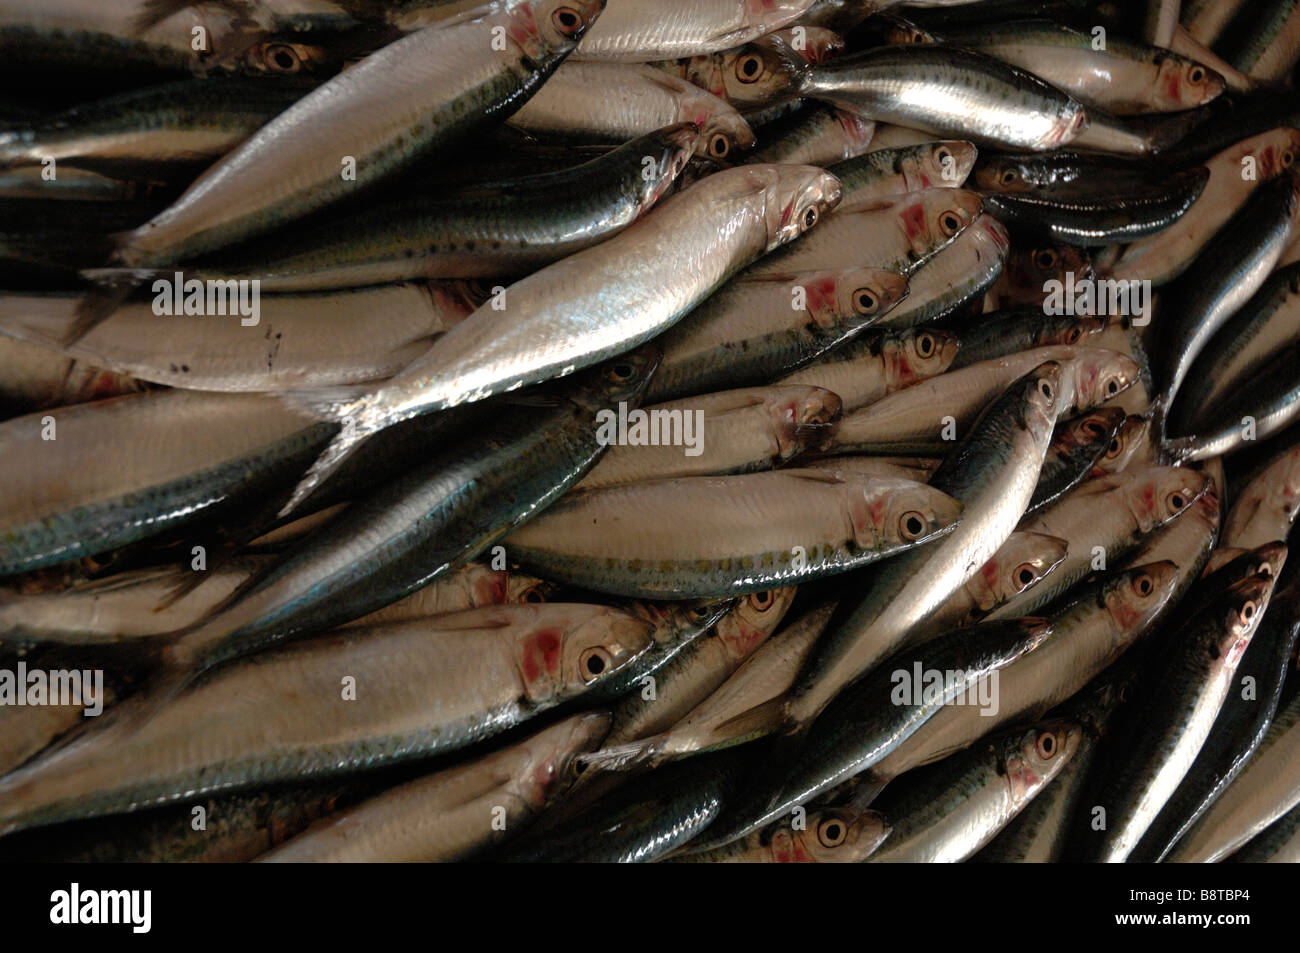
349	406
623	757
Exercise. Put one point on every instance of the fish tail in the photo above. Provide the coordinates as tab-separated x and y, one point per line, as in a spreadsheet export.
623	757
763	719
349	406
110	288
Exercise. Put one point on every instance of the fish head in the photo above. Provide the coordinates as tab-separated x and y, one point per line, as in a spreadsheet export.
544	28
1029	269
856	297
946	214
284	58
1047	391
1234	564
943	164
801	418
669	150
1124	445
1243	606
749	624
1134	596
521	588
592	648
552	755
815	44
895	30
1156	495
1277	151
765	71
621	378
1097	375
723	131
858	130
831	835
1035	756
919	354
1010	173
1019	564
1089	430
1070	123
887	513
797	200
677	622
1185	84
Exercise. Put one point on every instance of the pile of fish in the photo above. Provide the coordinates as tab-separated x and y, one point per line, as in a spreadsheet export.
636	430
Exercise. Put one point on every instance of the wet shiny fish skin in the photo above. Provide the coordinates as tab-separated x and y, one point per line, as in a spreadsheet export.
749	77
449	682
959	807
1265	508
425	522
749	332
586	307
992	473
884	172
641	30
951	92
1000	333
840	835
698	537
876	363
956	276
743	431
1077	446
444	83
613	102
816	135
449	816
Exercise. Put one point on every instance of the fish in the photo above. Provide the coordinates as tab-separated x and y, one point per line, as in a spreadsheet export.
1125	77
422	91
614	102
1276	844
1162	257
1172	715
637	30
1248	340
1264	42
955	810
1238	730
33	377
256	344
842	835
1104	519
1230	268
1077	446
1127	448
992	474
816	135
957	275
1265	791
1098	215
583	308
487	230
467	497
1265	508
899	234
881	173
446	684
750	331
1003	333
742	431
951	91
875	364
698	537
751	76
930	415
452	814
871	719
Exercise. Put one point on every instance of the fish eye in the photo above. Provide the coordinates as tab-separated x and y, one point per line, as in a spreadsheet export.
749	68
1046	259
762	601
918	37
1248	611
943	155
1024	576
1046	745
593	662
912	525
1045	389
1143	585
1073	335
925	345
1288	157
810	217
1177	500
1112	387
534	595
282	58
567	20
950	223
864	302
1113	450
719	146
622	371
1007	177
1091	428
831	832
1196	74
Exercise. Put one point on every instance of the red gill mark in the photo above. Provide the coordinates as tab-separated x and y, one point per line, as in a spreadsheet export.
757	7
1147	499
906	374
990	572
1267	158
542	654
821	296
783	847
1173	86
913	219
523	29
